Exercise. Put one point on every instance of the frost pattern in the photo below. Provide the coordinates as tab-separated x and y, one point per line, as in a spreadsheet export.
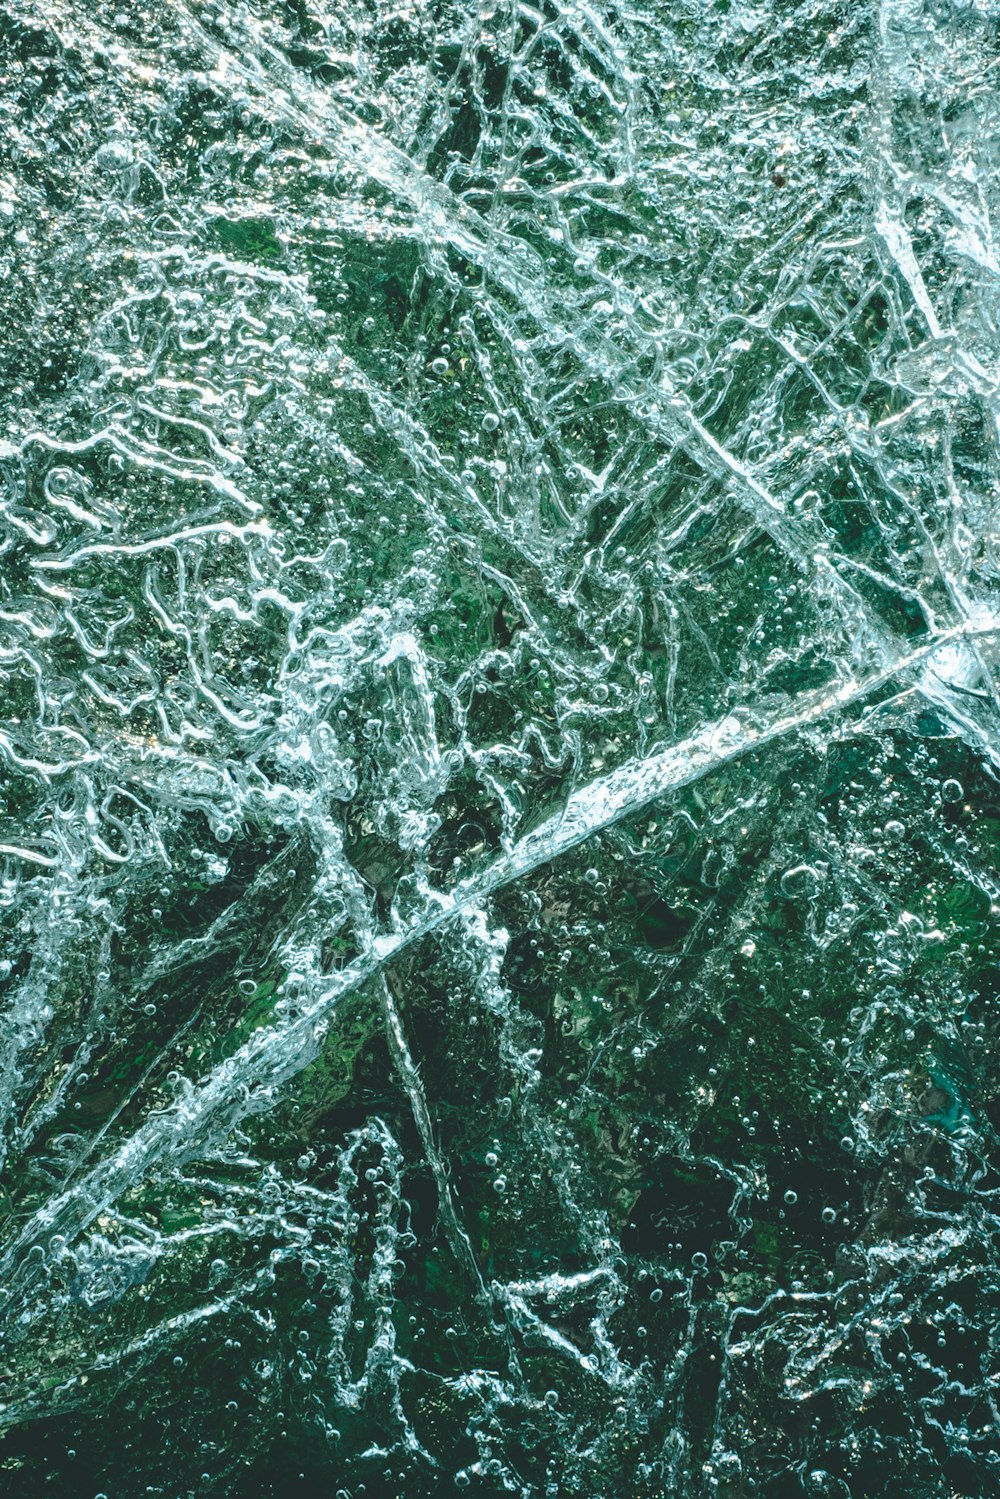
499	744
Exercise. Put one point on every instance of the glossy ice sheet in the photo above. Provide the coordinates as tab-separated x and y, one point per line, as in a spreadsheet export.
498	748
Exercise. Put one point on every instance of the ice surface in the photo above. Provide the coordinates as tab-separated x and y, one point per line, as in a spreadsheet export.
499	729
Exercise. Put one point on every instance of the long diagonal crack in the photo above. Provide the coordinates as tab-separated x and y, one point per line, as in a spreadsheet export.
249	1080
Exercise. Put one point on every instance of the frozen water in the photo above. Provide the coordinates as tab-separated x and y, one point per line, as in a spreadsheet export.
499	630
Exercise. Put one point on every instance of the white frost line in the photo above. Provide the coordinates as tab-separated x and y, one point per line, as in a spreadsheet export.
28	856
224	529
